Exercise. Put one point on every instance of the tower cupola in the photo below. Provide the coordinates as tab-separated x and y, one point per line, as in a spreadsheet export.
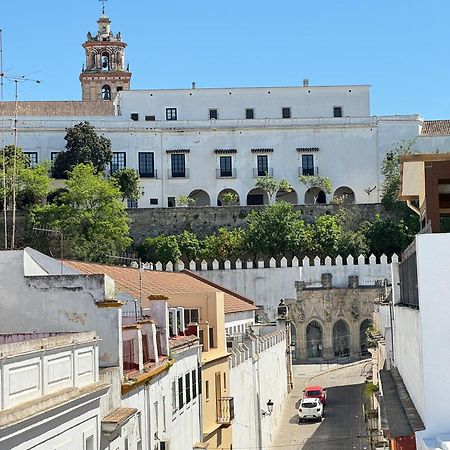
104	72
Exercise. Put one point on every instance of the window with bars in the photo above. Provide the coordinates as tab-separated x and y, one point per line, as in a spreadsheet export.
226	169
174	396
118	161
146	164
213	114
337	111
199	379
32	159
171	113
132	203
188	387
53	156
307	165
249	113
194	383
262	165
178	165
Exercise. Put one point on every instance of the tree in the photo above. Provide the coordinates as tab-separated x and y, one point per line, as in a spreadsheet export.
127	180
185	200
328	234
316	181
161	248
230	198
271	186
276	230
83	146
90	214
225	244
32	184
189	245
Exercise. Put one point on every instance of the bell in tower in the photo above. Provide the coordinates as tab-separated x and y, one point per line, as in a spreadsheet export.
104	73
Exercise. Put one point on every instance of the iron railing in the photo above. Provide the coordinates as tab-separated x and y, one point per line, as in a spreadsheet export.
311	171
225	410
226	173
262	172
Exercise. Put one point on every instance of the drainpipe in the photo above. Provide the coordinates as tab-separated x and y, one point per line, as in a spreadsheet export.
411	206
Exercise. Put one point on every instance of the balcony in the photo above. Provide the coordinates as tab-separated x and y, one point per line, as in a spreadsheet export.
229	173
409	293
309	171
178	173
225	410
262	172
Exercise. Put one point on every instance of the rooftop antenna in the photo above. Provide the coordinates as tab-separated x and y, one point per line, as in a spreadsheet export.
103	5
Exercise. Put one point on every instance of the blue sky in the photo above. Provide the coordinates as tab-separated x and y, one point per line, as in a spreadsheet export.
401	48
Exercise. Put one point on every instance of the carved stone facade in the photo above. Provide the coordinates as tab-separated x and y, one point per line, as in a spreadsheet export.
331	322
104	72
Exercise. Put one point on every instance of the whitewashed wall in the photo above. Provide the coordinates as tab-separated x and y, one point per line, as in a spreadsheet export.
239	322
258	372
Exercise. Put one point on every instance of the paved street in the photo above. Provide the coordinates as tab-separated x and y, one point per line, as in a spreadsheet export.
343	423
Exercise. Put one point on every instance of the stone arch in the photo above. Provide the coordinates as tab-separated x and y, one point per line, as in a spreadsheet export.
341	338
314	339
201	197
289	197
106	92
220	201
93	60
346	193
257	197
363	338
106	61
315	195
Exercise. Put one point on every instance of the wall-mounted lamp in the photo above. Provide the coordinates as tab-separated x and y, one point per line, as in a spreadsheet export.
269	409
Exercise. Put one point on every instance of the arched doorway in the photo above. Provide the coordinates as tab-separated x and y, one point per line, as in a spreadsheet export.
257	197
341	338
228	197
289	197
201	197
315	195
314	340
363	336
293	342
346	194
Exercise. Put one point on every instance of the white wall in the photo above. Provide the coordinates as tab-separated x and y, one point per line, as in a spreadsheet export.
239	322
257	375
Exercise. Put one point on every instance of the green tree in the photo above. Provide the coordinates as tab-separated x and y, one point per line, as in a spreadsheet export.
127	180
161	248
225	244
189	245
230	198
271	186
91	215
276	230
185	200
316	181
84	146
327	235
32	184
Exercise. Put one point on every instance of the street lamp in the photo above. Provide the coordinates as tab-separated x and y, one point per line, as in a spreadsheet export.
269	409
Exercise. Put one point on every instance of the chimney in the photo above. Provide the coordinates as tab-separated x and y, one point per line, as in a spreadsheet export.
193	85
305	82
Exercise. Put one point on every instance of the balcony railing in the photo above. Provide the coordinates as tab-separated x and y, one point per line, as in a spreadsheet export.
262	172
222	173
409	293
308	171
153	174
178	174
225	410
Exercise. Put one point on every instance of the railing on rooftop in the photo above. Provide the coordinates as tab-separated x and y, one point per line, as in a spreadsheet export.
409	293
225	410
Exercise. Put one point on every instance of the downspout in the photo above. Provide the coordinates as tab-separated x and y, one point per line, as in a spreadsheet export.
414	208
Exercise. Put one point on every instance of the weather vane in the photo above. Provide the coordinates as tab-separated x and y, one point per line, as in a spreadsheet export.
103	5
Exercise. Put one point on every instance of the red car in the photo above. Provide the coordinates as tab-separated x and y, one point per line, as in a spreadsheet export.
316	392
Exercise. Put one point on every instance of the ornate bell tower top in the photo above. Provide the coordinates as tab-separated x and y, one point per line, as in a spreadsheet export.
104	72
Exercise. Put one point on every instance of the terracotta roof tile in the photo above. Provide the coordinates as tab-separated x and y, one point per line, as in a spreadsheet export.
441	127
163	283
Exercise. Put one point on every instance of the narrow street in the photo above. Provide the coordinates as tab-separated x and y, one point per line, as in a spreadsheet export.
343	426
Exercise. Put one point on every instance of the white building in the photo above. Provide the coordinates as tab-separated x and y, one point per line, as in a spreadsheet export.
204	142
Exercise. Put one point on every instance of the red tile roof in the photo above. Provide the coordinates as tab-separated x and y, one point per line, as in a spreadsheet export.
163	283
441	127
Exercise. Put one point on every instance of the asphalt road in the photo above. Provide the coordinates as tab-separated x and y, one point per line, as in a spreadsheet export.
343	426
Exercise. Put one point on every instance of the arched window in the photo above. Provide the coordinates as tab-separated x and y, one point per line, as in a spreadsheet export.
105	61
93	60
106	92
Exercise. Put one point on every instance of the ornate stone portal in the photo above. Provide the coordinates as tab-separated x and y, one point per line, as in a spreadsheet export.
331	322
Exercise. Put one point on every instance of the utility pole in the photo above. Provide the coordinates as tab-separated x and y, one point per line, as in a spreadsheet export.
5	202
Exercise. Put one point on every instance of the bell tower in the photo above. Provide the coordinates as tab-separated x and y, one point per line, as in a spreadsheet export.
104	73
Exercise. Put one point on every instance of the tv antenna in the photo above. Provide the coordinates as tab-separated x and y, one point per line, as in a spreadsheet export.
16	79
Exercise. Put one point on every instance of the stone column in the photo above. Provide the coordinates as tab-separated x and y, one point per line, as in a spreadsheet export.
328	351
